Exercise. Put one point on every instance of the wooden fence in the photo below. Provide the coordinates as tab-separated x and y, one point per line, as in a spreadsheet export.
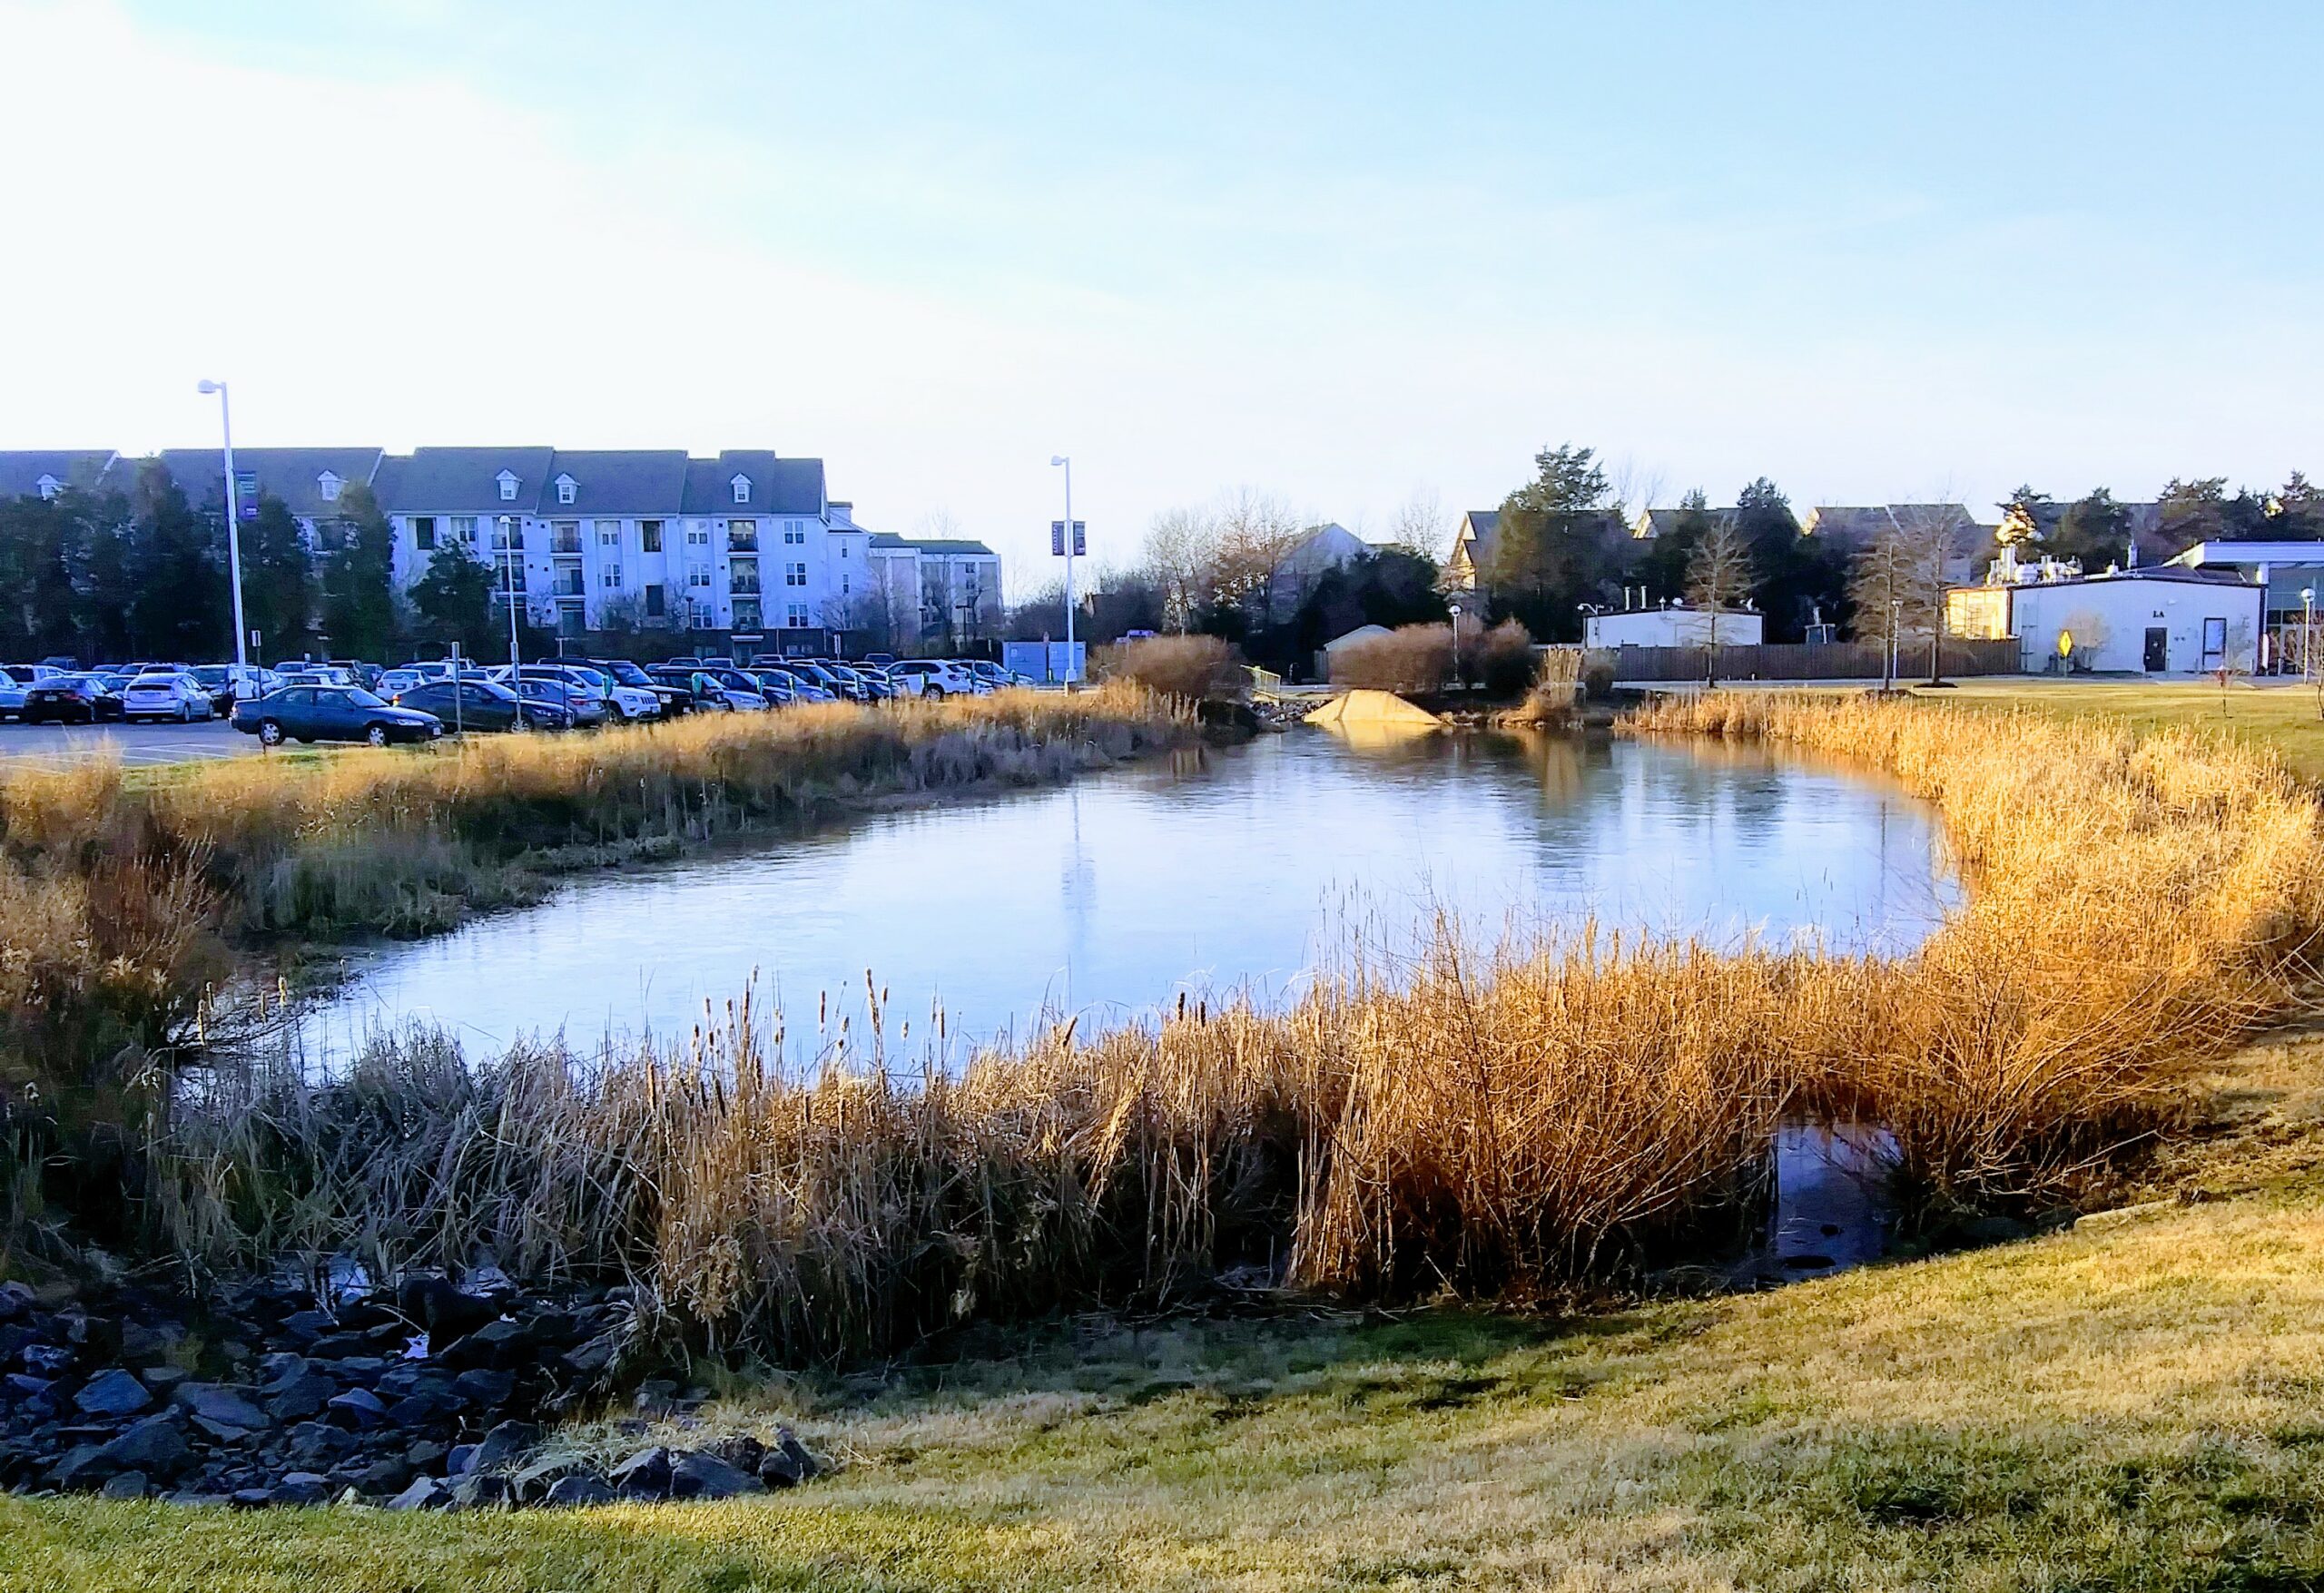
1808	661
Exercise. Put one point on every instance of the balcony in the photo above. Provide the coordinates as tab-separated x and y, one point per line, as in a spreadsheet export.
569	584
742	539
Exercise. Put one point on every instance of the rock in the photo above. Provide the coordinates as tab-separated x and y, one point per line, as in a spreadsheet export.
303	1488
187	1497
279	1369
154	1446
218	1405
480	1491
738	1450
392	1475
126	1485
97	1338
358	1409
82	1467
46	1359
644	1475
485	1386
112	1393
22	1385
16	1300
164	1380
788	1462
590	1359
531	1484
426	1493
446	1311
496	1343
332	1346
656	1397
418	1410
569	1492
144	1341
250	1499
426	1453
460	1461
503	1444
306	1326
699	1475
300	1396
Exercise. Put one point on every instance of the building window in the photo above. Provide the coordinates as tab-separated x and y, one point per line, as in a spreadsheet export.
747	617
649	532
463	529
794	574
742	535
697	534
327	487
423	533
49	486
564	537
656	605
609	534
798	616
697	575
794	534
504	534
609	575
742	485
566	488
507	488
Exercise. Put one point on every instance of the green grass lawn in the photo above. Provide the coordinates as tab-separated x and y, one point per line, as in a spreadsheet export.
2137	1403
2283	717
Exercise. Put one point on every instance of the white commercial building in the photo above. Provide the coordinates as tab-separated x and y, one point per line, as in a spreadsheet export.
2154	620
1673	626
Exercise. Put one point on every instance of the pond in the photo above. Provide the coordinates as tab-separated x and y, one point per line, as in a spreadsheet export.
1218	871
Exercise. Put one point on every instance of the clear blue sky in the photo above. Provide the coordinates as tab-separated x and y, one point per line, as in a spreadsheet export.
1344	253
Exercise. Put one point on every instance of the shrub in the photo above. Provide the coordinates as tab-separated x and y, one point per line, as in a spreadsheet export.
1194	669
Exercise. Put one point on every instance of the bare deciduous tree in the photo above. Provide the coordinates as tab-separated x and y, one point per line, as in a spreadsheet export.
1719	577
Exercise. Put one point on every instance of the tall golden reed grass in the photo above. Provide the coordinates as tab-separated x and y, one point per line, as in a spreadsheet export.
1493	1125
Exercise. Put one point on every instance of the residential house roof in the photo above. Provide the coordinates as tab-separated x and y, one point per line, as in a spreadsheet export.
1860	523
952	545
21	470
294	474
778	486
1650	523
617	481
464	480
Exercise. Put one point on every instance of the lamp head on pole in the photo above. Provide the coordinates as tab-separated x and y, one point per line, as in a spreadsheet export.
1057	459
211	387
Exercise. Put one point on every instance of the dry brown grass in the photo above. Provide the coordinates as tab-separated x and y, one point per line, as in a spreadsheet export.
1192	669
1555	1112
1422	658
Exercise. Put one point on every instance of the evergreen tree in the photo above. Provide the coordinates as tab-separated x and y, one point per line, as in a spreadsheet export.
1559	544
1668	557
179	605
37	576
359	578
452	600
1786	579
102	541
2095	530
278	581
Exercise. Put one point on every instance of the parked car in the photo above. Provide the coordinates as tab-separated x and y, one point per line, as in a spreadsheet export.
870	686
779	688
676	700
578	693
71	699
483	705
627	704
167	696
993	674
801	683
229	683
934	677
727	688
560	696
333	714
704	695
16	681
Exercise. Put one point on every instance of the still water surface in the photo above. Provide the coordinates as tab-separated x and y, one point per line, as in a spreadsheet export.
1222	870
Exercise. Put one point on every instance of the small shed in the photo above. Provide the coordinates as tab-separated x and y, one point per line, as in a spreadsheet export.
1673	626
2155	620
1323	655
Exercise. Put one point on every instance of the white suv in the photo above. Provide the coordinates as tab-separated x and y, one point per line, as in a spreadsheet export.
935	677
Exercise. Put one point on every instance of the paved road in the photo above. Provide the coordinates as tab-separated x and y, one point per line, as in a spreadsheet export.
135	744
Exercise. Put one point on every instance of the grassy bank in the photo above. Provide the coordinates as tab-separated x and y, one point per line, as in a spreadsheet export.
2129	1405
1498	1126
2287	720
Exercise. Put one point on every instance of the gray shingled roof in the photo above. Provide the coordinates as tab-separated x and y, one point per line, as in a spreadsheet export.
289	473
466	481
1659	522
20	471
778	486
946	544
618	481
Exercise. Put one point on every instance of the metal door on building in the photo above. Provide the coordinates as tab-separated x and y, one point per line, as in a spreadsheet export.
2158	649
2214	644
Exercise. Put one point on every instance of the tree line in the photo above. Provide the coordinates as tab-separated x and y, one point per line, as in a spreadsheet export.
109	576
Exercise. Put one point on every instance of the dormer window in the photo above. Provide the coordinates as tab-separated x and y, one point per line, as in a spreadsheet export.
508	486
49	486
566	488
742	485
327	487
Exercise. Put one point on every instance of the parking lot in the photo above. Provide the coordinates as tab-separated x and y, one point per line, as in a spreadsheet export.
134	743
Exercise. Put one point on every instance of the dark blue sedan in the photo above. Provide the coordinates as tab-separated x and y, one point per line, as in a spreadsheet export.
333	714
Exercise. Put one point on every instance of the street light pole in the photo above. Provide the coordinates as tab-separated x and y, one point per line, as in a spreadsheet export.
233	529
516	675
1068	463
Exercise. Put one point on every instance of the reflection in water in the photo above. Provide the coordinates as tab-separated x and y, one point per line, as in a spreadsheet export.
1215	870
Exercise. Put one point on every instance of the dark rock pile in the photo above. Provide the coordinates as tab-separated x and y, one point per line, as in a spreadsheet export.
424	1396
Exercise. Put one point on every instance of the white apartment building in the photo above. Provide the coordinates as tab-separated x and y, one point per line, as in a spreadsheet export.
748	544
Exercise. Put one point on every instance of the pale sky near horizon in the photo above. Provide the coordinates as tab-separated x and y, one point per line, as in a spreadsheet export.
1344	253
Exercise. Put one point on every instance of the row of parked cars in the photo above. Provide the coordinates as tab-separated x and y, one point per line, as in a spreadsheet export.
351	701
